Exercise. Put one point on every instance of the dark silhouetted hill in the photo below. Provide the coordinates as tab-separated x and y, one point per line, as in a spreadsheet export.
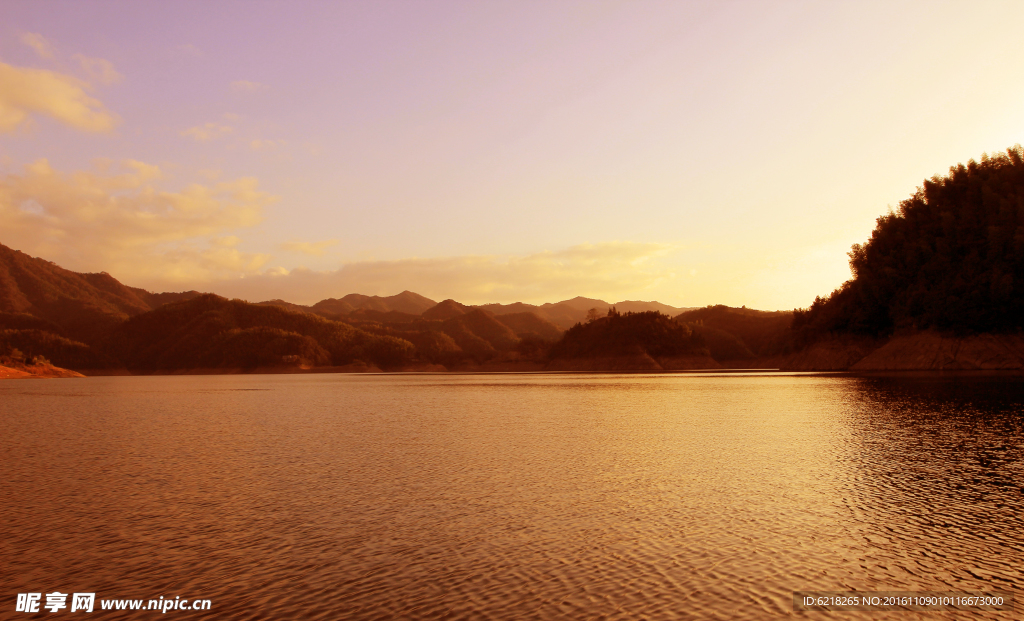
249	348
298	308
568	313
404	302
445	310
408	302
583	304
628	334
723	345
212	331
635	306
85	306
358	300
529	325
479	333
365	315
561	315
434	346
332	308
760	333
156	300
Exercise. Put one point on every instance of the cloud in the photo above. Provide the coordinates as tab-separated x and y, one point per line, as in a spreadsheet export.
99	69
122	222
210	174
228	241
25	91
189	50
247	86
316	249
263	145
204	133
38	43
611	269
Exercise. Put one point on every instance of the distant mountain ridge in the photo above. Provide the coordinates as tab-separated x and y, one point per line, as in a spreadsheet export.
564	314
92	321
568	313
332	308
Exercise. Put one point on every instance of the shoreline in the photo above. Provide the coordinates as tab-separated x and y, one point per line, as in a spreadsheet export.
58	373
921	353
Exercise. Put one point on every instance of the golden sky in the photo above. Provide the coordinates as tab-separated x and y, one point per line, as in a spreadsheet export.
688	152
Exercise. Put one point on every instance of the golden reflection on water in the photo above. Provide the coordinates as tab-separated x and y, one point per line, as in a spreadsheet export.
510	496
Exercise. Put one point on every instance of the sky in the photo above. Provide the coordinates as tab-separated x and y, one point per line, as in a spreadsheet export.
692	153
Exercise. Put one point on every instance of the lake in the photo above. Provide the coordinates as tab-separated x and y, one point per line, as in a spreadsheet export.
510	496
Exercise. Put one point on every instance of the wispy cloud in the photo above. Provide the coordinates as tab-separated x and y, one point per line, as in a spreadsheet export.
247	86
25	91
122	222
99	69
263	145
189	50
609	269
207	132
38	43
315	249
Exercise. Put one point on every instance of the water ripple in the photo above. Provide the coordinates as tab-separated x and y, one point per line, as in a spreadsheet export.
509	496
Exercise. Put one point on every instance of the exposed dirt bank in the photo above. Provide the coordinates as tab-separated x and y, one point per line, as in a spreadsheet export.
918	351
837	354
933	351
38	371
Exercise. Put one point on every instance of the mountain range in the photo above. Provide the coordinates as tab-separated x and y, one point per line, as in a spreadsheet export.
91	321
563	314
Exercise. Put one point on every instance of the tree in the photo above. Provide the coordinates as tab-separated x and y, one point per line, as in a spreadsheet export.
950	258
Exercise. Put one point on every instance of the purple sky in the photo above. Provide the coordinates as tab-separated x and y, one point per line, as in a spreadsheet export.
693	153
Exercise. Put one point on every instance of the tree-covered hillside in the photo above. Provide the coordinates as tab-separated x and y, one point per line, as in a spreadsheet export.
733	333
210	331
629	334
950	258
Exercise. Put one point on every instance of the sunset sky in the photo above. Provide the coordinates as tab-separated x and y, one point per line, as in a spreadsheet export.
692	153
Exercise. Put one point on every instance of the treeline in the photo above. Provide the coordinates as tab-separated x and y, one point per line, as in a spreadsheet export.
950	258
29	344
629	334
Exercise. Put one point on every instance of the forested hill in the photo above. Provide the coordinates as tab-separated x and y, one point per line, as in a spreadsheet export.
209	331
738	333
81	306
950	258
625	334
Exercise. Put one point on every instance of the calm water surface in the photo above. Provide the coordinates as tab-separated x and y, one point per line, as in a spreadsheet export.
509	496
